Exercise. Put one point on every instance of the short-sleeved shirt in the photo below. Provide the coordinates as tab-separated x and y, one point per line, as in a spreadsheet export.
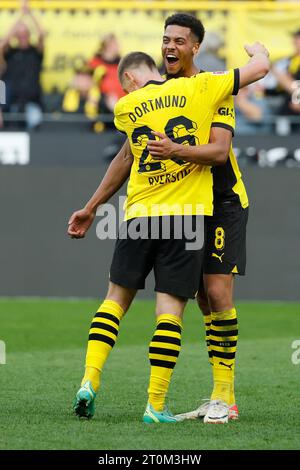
183	109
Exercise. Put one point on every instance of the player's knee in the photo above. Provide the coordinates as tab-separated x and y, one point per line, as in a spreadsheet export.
120	295
219	297
166	303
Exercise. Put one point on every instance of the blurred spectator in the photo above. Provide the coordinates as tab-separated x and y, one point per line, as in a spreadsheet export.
95	87
23	66
208	58
105	66
287	73
77	94
252	110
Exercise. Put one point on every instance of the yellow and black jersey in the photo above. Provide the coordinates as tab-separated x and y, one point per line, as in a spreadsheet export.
227	179
183	109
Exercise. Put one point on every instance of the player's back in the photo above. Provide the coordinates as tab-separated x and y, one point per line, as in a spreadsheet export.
183	109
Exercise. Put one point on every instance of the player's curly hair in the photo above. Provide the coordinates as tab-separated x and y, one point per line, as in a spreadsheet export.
188	21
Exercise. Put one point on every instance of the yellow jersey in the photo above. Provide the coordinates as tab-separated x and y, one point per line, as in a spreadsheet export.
183	109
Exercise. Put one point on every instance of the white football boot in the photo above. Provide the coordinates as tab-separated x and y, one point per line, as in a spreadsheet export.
200	412
217	413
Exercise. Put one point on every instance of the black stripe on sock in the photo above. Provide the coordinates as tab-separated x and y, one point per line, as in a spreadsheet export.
223	333
223	355
103	338
223	344
169	327
165	364
166	339
224	322
162	351
207	324
210	354
105	326
108	316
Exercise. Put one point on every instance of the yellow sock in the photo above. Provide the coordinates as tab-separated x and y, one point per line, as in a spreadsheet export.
223	341
232	395
163	353
102	337
207	323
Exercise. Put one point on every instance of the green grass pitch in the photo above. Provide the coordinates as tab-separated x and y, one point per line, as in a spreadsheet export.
46	342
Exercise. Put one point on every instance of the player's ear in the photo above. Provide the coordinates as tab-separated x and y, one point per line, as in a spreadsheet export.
196	48
130	81
128	76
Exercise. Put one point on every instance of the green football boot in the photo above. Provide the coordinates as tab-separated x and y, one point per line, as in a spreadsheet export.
84	404
152	416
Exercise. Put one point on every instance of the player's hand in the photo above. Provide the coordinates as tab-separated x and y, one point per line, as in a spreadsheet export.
161	149
79	223
256	48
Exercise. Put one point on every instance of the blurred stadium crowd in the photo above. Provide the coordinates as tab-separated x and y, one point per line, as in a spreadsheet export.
271	105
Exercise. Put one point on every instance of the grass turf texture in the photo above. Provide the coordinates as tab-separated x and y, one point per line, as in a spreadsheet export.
46	343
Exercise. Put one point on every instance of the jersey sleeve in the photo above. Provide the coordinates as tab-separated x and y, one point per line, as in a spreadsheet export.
119	118
224	115
221	85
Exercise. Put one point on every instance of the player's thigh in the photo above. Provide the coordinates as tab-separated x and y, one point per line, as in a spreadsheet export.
178	263
132	259
225	245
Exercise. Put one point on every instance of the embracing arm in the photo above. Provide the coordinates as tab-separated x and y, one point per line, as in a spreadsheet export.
258	65
116	174
212	154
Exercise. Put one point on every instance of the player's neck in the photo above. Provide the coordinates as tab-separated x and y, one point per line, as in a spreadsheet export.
192	70
153	77
188	72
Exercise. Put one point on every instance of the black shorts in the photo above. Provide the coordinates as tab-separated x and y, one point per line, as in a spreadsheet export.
177	270
225	243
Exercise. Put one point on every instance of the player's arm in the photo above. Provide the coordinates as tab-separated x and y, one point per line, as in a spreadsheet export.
212	154
217	86
116	174
258	65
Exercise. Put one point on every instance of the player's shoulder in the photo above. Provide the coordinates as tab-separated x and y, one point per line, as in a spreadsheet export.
182	82
129	100
124	103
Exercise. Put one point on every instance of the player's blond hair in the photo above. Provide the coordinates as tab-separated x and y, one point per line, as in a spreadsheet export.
134	60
